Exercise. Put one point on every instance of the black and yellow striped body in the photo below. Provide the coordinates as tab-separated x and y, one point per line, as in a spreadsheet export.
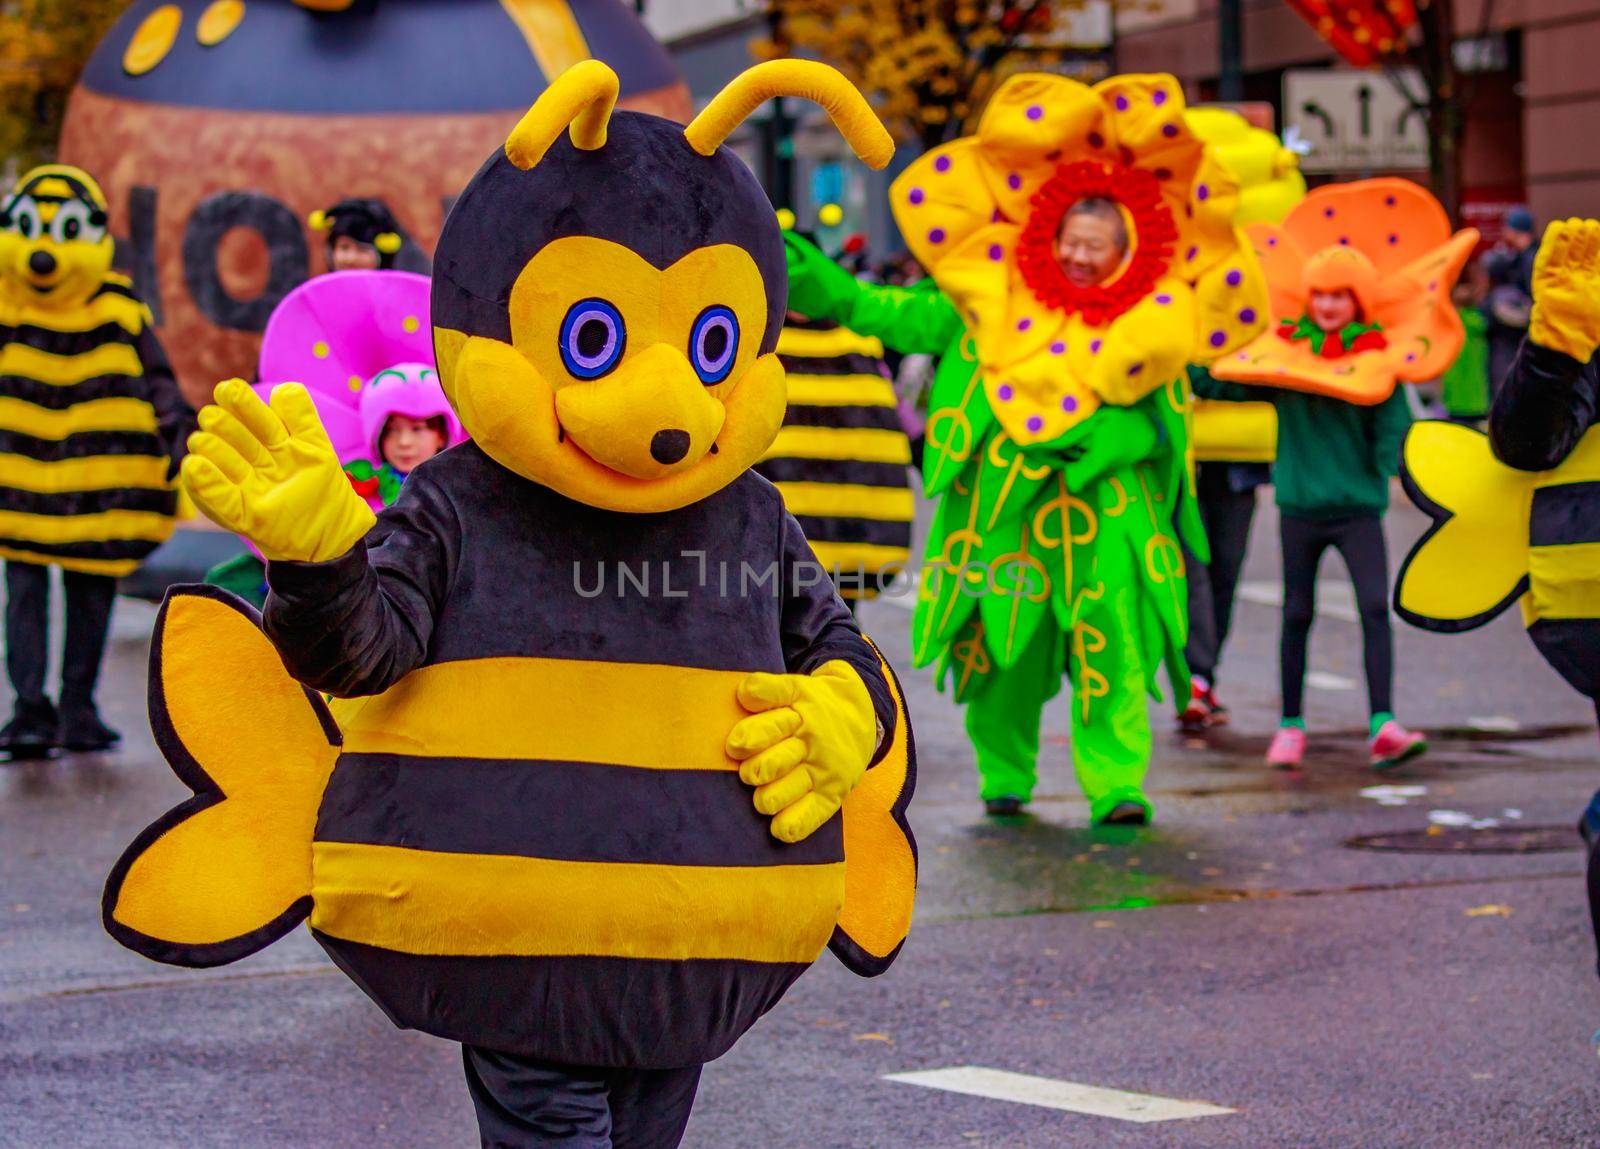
841	458
534	842
1562	606
83	472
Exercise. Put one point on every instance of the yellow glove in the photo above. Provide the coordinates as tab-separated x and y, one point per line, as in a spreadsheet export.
805	745
1566	289
270	474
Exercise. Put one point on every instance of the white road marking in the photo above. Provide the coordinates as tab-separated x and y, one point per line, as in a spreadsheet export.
1494	724
1335	599
1393	795
1322	680
1067	1096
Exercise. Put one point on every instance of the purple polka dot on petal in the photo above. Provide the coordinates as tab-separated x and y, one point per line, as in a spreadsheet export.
1344	241
1434	286
936	235
942	164
1013	181
1202	193
1272	242
1234	278
1122	103
1327	213
1243	356
1024	323
1163	299
996	252
1096	140
1069	403
1192	253
1004	393
1058	348
1158	97
1035	112
1035	424
1389	201
1094	347
915	196
1412	358
1248	315
1169	130
1218	338
1394	239
1135	369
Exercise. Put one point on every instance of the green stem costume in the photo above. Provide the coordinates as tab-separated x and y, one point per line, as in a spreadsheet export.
1057	557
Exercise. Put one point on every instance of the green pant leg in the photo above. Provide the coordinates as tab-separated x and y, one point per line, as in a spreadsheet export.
1003	720
1110	721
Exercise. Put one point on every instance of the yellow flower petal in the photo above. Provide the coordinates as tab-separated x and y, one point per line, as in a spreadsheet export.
1231	306
940	200
1147	346
1034	113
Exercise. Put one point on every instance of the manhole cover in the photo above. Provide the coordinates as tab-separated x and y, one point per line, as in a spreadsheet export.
1463	840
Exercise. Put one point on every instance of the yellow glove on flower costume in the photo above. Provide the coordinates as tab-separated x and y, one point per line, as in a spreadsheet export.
806	744
270	474
1566	289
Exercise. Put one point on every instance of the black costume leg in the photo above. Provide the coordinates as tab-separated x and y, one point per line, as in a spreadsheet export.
1303	542
1200	652
90	599
27	629
1360	541
1228	521
528	1104
650	1108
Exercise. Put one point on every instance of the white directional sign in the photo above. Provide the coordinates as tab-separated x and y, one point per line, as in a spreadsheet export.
1356	121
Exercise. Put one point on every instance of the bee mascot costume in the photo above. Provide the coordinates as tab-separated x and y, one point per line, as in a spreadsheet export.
1516	513
92	426
526	822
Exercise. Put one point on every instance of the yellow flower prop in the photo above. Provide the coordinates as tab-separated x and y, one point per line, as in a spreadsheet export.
982	214
1270	183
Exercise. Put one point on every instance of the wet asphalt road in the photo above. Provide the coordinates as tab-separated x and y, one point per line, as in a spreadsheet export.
1238	952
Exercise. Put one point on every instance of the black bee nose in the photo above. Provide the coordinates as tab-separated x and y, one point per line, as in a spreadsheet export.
42	262
667	447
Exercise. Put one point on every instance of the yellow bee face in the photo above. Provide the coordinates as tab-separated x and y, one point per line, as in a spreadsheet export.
55	249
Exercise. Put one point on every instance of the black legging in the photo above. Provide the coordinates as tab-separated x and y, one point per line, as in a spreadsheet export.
90	598
1359	539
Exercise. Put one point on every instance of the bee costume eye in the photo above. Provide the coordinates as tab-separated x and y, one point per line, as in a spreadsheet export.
593	339
714	344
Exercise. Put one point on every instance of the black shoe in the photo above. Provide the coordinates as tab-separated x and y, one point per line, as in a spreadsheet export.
1126	814
31	733
1007	807
82	732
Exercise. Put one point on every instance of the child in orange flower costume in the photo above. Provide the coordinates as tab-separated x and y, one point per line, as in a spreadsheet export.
1360	277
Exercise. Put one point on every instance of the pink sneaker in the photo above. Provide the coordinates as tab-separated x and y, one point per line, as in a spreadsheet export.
1394	744
1288	747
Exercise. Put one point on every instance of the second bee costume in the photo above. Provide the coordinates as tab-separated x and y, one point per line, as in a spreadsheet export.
591	821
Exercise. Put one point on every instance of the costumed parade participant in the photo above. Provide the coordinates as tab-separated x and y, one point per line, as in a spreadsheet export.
840	461
1233	443
537	834
360	344
1360	276
1515	512
93	427
1080	251
358	234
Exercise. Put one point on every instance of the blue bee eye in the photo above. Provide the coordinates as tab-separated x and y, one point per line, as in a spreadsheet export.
592	338
714	344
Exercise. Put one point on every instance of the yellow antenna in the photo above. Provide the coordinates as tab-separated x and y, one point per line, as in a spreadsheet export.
579	101
807	80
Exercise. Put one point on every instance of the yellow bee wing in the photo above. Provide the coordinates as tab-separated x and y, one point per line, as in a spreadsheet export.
228	871
1473	562
880	855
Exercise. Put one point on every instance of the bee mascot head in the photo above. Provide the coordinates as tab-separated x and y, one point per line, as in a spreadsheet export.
609	289
55	250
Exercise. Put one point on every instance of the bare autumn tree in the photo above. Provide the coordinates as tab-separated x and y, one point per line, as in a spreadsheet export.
44	45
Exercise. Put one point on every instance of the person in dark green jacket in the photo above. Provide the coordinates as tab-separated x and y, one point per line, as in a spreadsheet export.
1334	463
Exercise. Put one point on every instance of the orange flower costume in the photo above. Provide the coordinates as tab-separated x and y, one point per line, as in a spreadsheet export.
1388	242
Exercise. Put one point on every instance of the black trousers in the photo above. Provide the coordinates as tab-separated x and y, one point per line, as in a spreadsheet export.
528	1104
90	598
1227	515
1359	541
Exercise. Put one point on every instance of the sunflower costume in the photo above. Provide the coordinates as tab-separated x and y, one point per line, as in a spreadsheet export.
1057	438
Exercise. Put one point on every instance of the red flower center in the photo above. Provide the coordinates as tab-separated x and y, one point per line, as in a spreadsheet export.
1153	234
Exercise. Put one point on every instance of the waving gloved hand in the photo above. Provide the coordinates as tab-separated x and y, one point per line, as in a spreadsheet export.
806	744
271	475
1566	289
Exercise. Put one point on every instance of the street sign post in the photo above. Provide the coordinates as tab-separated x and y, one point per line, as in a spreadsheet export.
1356	122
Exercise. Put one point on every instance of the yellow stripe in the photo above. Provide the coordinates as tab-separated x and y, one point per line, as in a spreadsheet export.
855	443
840	391
65	370
95	415
129	314
51	530
91	473
870	557
625	714
847	501
551	31
115	568
472	905
805	344
1564	581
